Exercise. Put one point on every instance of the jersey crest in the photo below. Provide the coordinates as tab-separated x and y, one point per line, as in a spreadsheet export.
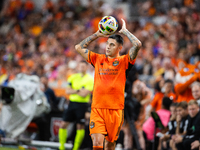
115	63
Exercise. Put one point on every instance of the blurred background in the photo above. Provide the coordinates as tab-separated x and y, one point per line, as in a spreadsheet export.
37	39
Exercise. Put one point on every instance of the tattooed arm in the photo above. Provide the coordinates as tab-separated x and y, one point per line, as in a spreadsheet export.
136	43
81	48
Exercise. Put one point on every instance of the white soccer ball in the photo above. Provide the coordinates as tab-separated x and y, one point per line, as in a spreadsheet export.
108	25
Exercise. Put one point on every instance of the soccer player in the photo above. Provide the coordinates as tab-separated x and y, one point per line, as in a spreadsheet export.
80	86
109	83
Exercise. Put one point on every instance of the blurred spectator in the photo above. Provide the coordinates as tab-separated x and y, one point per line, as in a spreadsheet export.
181	118
131	111
193	130
181	122
29	6
143	94
164	114
43	121
58	82
51	97
196	91
165	140
71	69
166	91
48	6
169	72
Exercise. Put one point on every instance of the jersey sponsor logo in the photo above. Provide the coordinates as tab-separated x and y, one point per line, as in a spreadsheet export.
115	63
92	125
107	71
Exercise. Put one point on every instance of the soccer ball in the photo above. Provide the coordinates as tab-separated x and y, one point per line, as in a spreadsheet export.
108	25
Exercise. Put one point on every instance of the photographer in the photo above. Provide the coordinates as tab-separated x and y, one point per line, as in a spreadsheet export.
23	100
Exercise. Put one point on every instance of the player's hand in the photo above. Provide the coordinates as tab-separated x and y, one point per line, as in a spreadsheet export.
123	26
195	144
178	118
164	138
99	34
178	139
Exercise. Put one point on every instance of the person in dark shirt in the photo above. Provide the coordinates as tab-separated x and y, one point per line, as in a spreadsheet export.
165	140
183	142
51	97
43	121
182	118
181	122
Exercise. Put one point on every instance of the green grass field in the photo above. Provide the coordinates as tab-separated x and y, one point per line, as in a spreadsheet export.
5	148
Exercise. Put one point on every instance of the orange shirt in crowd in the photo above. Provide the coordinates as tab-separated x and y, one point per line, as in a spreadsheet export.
15	4
157	100
59	87
109	80
29	5
48	5
188	2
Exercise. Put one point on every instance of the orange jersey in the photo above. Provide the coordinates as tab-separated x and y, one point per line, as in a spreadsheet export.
109	80
157	100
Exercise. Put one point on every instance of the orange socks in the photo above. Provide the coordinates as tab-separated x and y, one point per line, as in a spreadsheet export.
97	147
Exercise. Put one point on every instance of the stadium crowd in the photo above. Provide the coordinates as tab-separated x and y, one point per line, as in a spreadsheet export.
168	65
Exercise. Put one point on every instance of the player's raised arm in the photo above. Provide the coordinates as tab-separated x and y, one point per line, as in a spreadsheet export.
81	48
136	43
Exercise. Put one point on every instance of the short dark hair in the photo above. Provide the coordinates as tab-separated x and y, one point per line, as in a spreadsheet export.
182	104
169	81
118	38
166	102
174	104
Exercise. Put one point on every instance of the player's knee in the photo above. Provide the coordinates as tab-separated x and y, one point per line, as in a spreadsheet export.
64	124
97	141
109	145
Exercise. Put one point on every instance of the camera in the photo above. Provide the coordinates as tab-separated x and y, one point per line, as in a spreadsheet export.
7	94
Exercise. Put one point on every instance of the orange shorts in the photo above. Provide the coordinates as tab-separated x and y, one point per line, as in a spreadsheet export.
107	122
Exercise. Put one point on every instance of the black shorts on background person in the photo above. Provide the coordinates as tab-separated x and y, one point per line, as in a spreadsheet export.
75	112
